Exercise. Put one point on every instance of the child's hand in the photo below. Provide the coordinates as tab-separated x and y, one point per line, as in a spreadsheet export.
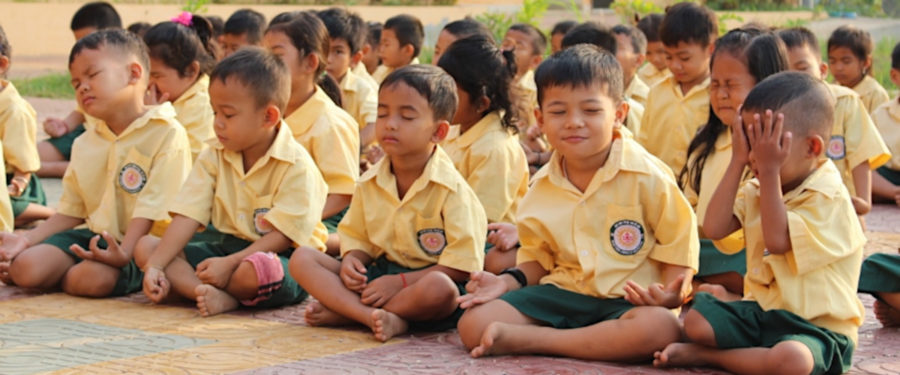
504	236
533	132
656	295
216	271
55	127
112	255
373	154
156	285
11	244
482	287
154	97
769	143
353	274
740	148
381	290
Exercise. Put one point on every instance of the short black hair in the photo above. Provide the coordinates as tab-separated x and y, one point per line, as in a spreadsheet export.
178	46
263	73
806	102
433	83
563	27
798	37
246	21
591	33
139	28
649	25
308	35
853	38
122	41
581	66
99	15
218	25
342	24
895	57
689	23
283	17
408	29
374	33
638	40
538	39
5	48
467	27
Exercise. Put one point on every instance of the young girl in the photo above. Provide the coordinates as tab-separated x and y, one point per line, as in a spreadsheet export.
742	58
181	57
483	143
850	61
329	133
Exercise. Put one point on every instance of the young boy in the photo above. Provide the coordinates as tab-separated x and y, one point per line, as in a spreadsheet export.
850	60
602	221
129	167
854	146
678	105
258	188
800	312
401	41
370	60
631	51
655	70
414	231
886	183
558	32
347	33
245	27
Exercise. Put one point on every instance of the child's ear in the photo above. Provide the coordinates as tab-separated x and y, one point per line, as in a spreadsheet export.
867	65
823	70
409	51
639	61
135	72
621	113
440	133
895	77
193	70
815	146
535	61
483	104
272	116
312	62
4	65
539	117
357	57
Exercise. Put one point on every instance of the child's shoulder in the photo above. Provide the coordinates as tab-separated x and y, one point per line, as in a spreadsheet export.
888	113
636	158
842	93
11	102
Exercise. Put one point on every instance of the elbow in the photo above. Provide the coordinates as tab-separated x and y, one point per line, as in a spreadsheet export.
778	247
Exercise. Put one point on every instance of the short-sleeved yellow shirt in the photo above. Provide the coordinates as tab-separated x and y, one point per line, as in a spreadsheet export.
637	90
671	120
652	76
493	163
283	191
630	221
360	71
871	93
854	138
382	71
331	137
633	118
438	221
195	113
817	279
887	119
137	174
18	130
360	98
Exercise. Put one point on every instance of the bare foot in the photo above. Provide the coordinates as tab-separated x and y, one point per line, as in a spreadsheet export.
212	300
495	341
719	292
678	355
887	315
386	324
317	315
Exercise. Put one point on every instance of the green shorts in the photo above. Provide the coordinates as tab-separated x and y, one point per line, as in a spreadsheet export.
64	143
332	222
561	308
743	324
383	267
218	244
130	279
889	174
714	262
880	273
34	193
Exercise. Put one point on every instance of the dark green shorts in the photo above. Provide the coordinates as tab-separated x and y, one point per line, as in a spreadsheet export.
880	273
332	222
743	324
218	244
383	267
131	277
714	262
34	193
889	174
64	143
561	308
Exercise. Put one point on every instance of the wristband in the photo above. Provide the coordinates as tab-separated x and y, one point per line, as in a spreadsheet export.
516	274
403	278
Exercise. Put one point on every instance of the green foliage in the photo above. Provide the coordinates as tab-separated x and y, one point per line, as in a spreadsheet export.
751	5
54	86
868	8
532	12
426	54
723	21
794	22
627	9
196	6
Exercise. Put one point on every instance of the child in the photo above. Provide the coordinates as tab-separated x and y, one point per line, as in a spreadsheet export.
558	32
128	168
370	60
329	134
742	58
880	276
800	313
277	202
18	129
457	30
94	16
483	144
679	105
405	275
528	45
244	28
850	59
656	70
400	44
139	28
181	58
886	183
602	221
855	146
631	48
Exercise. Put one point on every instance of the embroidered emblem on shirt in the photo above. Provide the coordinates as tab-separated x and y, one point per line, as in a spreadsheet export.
132	178
626	237
432	240
261	225
836	149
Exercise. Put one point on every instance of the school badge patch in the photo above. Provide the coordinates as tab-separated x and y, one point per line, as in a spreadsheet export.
626	237
132	178
432	240
836	149
259	223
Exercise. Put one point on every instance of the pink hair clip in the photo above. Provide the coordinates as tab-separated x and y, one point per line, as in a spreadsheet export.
185	18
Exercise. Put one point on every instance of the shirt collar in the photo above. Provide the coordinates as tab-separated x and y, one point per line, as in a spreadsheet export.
435	171
622	157
488	123
282	147
818	181
304	117
202	84
163	112
349	81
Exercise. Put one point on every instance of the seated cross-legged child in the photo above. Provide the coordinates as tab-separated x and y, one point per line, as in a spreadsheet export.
129	166
886	182
401	41
609	244
415	229
257	187
880	276
655	70
243	28
850	61
800	312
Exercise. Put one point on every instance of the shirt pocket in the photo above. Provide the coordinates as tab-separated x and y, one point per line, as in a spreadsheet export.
625	236
430	236
134	172
259	209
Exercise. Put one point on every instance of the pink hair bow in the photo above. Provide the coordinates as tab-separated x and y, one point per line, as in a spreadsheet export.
185	18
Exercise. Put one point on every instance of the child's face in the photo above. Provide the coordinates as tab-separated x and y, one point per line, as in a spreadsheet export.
239	123
656	54
730	82
846	67
233	42
468	113
370	57
688	62
556	42
406	123
281	46
392	54
444	40
803	59
520	44
579	121
339	57
895	77
167	80
101	78
628	59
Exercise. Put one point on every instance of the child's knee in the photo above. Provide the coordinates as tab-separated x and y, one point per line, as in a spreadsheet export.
303	258
698	330
791	358
90	279
473	322
144	249
244	282
439	292
495	261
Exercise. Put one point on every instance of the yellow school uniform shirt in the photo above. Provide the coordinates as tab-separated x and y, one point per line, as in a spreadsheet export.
137	174
631	219
854	138
887	119
331	137
360	71
7	220
671	120
359	98
491	160
18	130
871	93
195	113
633	118
651	76
816	280
382	71
637	90
283	190
438	221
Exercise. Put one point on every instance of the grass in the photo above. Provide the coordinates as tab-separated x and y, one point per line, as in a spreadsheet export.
53	86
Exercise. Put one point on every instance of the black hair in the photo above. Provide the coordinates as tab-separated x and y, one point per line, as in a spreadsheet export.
581	65
408	29
649	25
5	48
218	25
638	40
139	28
309	36
688	23
853	38
591	33
283	17
374	33
433	83
178	46
118	39
246	21
538	40
563	27
99	15
263	73
806	102
797	37
895	57
342	24
467	27
481	69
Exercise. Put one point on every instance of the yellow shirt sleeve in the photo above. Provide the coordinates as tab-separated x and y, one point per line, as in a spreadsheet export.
165	178
816	240
297	205
337	157
497	181
533	246
197	118
863	143
465	226
368	108
674	225
197	195
71	203
19	136
352	228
